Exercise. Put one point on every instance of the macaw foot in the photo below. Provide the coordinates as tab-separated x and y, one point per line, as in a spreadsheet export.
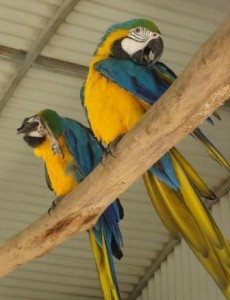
55	203
110	147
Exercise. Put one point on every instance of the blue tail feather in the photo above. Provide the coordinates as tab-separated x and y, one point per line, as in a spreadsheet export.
164	171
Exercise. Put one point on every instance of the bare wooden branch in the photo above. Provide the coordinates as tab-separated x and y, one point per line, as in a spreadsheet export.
203	86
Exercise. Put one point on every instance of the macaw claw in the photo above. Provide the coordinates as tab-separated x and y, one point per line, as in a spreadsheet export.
110	147
54	204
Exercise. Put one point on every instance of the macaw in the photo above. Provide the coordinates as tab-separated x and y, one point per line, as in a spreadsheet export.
71	152
125	78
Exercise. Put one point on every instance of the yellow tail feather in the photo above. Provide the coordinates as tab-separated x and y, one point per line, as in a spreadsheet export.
197	209
224	253
198	182
187	191
183	212
215	268
175	211
213	152
103	267
159	206
217	156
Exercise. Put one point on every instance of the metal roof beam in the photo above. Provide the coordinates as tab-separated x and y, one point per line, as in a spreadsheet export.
45	63
64	9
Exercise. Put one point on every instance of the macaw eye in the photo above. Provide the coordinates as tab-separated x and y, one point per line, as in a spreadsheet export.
137	30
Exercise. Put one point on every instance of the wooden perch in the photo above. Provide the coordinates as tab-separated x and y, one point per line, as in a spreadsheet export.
203	86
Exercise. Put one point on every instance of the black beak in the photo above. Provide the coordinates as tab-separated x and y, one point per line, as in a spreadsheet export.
27	127
151	53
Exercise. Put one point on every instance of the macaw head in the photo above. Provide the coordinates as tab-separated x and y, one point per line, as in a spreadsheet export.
36	129
137	39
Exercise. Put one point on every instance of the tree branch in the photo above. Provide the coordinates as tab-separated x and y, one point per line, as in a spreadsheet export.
202	87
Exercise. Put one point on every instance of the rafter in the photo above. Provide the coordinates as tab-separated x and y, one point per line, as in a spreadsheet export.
64	9
44	63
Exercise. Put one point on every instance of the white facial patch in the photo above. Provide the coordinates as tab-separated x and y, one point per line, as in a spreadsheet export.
130	46
39	131
138	38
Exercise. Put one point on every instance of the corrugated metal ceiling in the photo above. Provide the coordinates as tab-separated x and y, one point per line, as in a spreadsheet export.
69	272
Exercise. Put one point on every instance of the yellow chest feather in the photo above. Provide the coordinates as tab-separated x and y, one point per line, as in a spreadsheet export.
58	167
112	111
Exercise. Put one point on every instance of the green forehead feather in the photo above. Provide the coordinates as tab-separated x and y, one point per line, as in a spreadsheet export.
134	23
53	120
48	114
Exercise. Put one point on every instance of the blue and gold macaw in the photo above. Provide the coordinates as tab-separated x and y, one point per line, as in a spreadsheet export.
71	152
125	78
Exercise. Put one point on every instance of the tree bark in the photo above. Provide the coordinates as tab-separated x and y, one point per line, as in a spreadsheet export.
202	87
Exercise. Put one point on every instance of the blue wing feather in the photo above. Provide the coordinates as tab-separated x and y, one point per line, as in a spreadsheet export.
139	80
87	153
83	146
